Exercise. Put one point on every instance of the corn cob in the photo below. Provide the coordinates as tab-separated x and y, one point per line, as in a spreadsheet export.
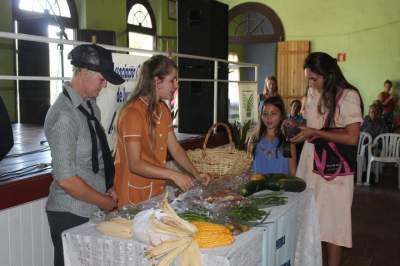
161	227
116	227
191	256
211	235
185	245
169	257
172	214
211	240
166	247
215	228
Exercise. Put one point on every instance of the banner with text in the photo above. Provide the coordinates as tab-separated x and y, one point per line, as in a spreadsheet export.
112	97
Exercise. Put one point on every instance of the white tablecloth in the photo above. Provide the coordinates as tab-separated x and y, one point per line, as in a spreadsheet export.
289	237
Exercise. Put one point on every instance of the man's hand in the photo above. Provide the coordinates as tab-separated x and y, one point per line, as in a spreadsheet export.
79	189
108	203
111	192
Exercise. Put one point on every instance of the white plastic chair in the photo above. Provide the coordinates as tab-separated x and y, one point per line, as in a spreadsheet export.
388	151
362	154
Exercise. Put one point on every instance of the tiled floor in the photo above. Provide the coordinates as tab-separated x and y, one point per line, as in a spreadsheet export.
376	223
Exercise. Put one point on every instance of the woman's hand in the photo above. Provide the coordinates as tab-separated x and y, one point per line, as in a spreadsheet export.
305	133
111	192
203	178
348	135
184	182
108	203
289	123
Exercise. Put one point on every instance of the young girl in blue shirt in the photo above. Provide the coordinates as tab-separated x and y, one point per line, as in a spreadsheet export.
272	153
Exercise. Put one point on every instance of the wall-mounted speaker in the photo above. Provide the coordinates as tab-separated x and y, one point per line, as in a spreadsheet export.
202	30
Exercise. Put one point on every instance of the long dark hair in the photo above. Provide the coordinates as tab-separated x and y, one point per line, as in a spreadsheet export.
261	129
334	81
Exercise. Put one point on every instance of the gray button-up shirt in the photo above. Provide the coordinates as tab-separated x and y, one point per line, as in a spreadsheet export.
68	134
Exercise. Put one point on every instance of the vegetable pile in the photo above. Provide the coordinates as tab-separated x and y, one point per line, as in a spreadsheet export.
205	217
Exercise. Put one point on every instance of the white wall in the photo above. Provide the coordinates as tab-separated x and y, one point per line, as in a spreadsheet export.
25	236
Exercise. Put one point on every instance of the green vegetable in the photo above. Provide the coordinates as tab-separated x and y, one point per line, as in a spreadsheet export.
196	213
253	187
191	216
246	213
274	182
292	184
268	200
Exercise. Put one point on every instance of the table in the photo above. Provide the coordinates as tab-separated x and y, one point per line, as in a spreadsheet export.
32	185
290	236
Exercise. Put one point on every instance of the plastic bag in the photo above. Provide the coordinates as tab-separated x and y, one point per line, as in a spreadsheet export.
211	202
143	230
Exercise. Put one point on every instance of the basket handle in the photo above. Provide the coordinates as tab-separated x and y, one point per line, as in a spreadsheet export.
228	130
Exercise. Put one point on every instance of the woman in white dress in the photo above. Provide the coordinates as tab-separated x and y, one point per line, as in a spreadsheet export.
331	102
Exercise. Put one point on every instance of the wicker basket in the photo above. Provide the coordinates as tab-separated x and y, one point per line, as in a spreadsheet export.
226	161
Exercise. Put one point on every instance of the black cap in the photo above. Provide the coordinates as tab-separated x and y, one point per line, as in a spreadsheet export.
96	58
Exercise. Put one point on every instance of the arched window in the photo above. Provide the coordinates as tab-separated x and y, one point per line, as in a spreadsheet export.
57	12
141	25
50	18
254	23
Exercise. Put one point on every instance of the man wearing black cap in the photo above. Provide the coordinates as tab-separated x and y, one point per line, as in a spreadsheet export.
83	168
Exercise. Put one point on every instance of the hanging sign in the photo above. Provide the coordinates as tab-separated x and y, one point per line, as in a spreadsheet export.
248	100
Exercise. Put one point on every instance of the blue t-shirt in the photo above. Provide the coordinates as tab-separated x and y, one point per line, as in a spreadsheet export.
267	161
298	118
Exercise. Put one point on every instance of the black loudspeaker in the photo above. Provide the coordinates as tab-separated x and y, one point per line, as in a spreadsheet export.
6	139
202	30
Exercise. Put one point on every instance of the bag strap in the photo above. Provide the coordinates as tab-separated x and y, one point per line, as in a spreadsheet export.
320	166
320	163
342	159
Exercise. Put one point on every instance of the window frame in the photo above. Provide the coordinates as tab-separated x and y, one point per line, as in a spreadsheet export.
72	22
278	30
21	15
144	30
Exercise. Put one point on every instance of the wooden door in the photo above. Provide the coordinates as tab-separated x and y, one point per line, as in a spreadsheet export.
290	74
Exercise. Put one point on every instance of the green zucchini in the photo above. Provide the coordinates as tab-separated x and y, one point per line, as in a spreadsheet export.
253	187
286	182
292	184
274	182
